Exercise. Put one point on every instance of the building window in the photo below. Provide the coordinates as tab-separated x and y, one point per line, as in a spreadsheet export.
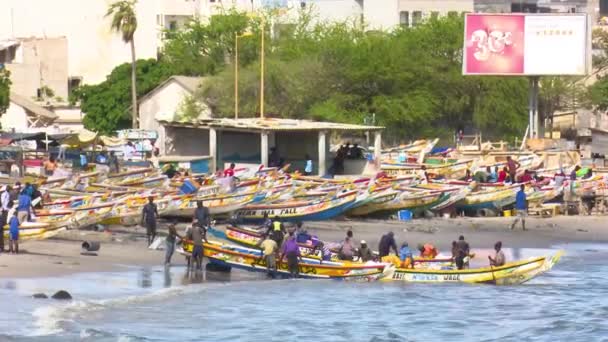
404	18
173	25
452	14
416	18
434	15
73	83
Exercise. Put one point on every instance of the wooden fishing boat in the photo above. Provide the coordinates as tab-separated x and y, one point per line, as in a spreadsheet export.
512	273
127	210
454	197
545	194
219	204
252	260
406	200
320	209
36	230
252	237
450	170
494	198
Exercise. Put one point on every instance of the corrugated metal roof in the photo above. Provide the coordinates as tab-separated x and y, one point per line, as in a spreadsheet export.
272	124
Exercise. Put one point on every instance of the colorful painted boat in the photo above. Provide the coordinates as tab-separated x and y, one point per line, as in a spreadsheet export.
292	211
513	273
36	231
217	204
450	170
494	198
405	200
545	194
251	260
252	237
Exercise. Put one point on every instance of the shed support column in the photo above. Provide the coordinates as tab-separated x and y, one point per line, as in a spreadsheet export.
377	149
322	151
212	150
264	148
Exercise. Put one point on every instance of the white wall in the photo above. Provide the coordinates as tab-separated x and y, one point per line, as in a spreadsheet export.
93	49
15	117
381	14
163	105
334	10
186	141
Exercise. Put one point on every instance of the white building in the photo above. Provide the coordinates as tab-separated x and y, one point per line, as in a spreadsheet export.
94	50
163	104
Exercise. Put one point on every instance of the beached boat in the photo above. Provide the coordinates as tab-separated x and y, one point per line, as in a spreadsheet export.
512	273
37	230
545	194
251	260
218	204
406	200
315	210
494	198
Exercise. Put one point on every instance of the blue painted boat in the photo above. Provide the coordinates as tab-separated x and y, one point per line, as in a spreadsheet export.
293	211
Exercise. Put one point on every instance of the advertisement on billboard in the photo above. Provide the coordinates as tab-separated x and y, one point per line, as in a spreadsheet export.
526	44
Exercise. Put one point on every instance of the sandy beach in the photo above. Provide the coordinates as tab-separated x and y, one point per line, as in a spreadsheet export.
125	247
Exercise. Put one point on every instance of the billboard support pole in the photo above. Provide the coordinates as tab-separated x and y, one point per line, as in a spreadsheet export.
533	107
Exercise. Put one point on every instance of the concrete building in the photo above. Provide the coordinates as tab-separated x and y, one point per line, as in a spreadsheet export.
591	7
163	104
248	141
385	14
35	63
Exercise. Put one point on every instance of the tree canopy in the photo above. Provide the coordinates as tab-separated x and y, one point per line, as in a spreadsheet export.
5	87
410	78
107	104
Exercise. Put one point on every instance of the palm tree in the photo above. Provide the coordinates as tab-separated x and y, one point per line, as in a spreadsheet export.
124	21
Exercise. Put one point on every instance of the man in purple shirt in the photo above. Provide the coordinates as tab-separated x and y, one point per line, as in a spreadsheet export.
292	251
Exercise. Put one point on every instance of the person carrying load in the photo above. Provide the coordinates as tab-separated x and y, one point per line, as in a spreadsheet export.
428	251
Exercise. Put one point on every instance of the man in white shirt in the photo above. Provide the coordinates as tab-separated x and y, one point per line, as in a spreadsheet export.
129	151
5	198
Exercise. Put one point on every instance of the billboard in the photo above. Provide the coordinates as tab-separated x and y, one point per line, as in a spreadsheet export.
526	44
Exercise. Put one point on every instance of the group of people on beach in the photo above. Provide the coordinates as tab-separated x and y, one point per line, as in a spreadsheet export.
196	232
27	198
280	244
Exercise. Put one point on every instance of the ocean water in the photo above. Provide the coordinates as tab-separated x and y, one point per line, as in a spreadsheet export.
570	303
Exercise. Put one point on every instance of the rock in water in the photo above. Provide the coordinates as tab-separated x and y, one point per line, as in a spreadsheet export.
62	295
40	296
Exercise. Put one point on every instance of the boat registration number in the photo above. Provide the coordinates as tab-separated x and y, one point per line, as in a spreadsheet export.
426	277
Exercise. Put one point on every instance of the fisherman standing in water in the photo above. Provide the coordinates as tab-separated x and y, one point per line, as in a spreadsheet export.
462	253
149	214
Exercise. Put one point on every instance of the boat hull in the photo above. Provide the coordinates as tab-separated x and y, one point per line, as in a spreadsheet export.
251	260
510	274
311	211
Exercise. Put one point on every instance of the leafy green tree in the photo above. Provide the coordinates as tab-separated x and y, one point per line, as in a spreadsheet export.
124	21
107	104
5	87
205	47
410	78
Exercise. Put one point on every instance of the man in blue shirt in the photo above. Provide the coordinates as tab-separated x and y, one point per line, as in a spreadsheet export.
24	207
521	208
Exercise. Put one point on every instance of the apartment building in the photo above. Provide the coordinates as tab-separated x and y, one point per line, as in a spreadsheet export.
591	7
